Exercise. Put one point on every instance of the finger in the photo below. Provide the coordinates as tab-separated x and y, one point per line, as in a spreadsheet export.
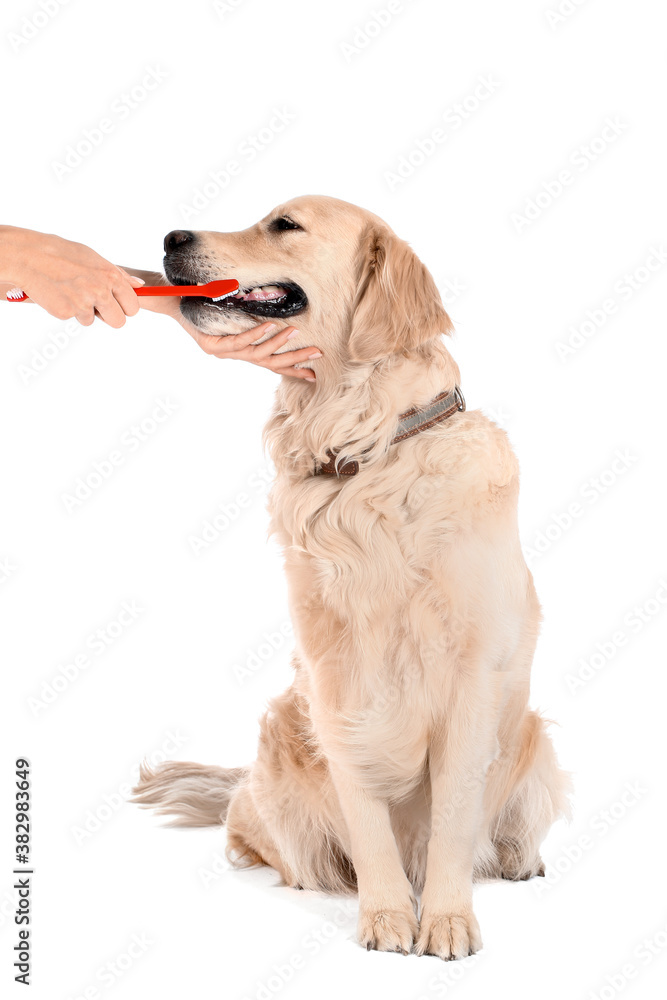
110	311
127	299
239	341
217	346
86	318
240	345
303	373
273	343
236	345
288	358
134	280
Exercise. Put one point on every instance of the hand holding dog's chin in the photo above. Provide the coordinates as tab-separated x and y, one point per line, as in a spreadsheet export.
257	345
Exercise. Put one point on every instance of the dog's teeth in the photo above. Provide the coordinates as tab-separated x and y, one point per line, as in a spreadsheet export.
264	293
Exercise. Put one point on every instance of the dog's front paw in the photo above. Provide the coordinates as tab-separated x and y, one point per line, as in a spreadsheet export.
388	930
448	936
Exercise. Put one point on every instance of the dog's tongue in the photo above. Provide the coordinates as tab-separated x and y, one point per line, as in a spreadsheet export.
262	294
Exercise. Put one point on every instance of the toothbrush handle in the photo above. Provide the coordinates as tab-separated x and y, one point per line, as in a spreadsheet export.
145	290
164	290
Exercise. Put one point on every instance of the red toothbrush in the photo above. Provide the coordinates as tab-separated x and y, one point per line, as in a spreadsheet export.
215	290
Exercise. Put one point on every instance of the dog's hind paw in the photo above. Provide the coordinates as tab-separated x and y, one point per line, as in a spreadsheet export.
514	874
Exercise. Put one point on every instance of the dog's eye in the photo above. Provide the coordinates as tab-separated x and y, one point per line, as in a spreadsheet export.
283	223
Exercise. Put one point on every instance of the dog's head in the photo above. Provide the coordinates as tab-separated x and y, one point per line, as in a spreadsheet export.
335	271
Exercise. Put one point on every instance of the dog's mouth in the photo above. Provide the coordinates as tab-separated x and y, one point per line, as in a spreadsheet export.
278	300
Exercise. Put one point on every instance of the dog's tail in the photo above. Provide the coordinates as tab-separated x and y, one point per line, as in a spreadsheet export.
196	795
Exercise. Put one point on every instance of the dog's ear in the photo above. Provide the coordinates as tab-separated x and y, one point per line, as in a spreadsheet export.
397	305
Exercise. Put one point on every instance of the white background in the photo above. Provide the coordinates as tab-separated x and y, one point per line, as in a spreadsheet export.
360	98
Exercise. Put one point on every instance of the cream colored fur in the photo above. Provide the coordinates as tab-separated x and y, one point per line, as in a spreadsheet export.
404	758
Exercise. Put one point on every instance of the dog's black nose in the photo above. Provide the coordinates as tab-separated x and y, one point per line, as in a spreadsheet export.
176	238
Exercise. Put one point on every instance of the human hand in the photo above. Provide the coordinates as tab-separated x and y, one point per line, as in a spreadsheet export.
67	279
240	346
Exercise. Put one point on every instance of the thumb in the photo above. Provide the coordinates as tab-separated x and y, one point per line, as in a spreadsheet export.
132	278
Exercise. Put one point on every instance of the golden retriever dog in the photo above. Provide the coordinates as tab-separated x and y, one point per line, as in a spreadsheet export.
404	759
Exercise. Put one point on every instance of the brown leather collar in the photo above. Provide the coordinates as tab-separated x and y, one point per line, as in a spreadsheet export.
409	423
